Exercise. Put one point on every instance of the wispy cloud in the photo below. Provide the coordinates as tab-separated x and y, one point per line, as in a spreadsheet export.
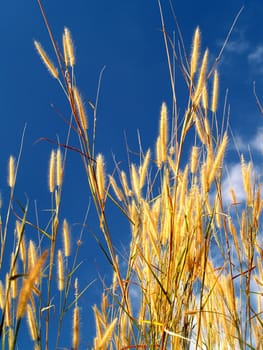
255	59
252	144
257	141
256	56
238	44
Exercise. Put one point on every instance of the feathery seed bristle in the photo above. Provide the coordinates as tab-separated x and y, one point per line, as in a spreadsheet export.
66	238
215	92
50	66
11	172
60	271
51	177
81	109
195	53
69	47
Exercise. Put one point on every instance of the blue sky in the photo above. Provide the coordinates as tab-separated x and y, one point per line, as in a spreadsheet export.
125	37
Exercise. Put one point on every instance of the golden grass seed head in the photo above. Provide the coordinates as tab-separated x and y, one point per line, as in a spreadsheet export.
201	80
233	196
69	47
163	132
195	53
144	168
158	152
27	286
60	271
124	183
75	328
200	131
100	176
115	188
218	159
48	63
218	212
66	238
194	159
215	92
31	255
135	182
81	109
51	173
11	172
31	321
246	176
65	50
204	178
59	168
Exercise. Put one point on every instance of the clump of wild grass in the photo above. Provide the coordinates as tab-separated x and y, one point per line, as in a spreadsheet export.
193	262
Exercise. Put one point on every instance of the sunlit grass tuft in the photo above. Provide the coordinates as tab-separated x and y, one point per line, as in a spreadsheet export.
192	273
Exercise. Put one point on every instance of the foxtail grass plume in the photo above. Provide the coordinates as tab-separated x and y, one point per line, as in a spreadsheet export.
59	168
195	53
27	286
163	132
158	152
31	321
115	188
65	50
51	177
11	172
124	183
246	176
144	168
70	56
194	159
201	80
75	328
100	176
50	66
218	159
60	271
66	238
215	92
135	182
199	129
31	255
81	109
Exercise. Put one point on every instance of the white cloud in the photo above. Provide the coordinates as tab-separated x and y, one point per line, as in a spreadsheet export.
233	180
257	141
237	46
250	145
256	56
